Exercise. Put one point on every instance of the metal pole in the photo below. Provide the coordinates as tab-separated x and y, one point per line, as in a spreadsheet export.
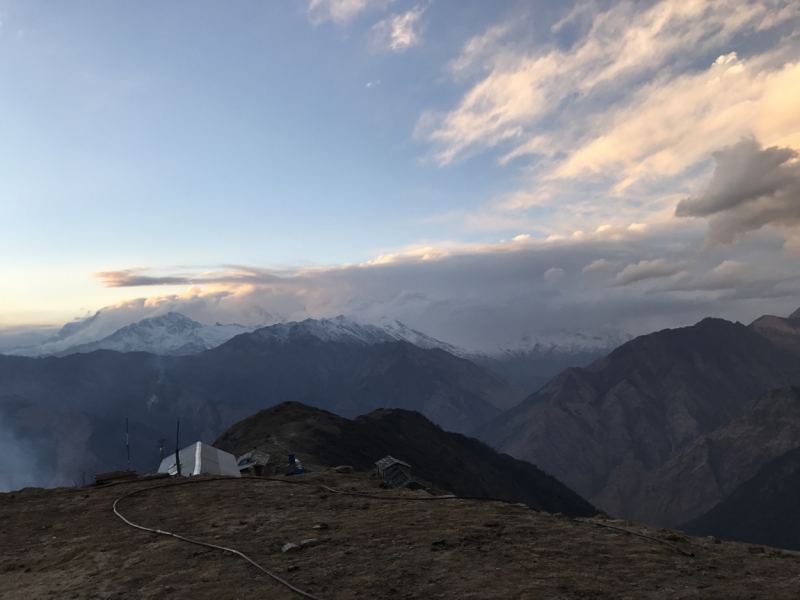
128	442
177	447
161	441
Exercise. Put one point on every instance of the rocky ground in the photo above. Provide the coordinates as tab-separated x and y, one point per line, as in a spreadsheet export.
67	543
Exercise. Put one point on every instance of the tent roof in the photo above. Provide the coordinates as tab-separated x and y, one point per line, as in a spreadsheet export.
201	458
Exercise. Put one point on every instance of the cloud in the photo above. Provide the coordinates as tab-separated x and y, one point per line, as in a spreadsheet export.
341	11
751	187
479	296
398	33
553	274
525	87
132	278
648	269
676	122
734	275
617	126
601	265
137	278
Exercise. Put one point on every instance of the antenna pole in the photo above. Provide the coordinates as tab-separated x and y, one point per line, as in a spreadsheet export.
128	442
177	447
161	441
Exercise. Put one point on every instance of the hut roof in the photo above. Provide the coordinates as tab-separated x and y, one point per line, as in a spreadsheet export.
389	461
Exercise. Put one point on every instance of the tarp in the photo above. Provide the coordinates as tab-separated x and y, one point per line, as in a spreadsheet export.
201	458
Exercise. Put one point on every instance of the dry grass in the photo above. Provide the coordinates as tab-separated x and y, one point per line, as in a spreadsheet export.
67	543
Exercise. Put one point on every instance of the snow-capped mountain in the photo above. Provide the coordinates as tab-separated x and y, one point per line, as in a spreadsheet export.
565	342
528	364
346	331
534	360
171	334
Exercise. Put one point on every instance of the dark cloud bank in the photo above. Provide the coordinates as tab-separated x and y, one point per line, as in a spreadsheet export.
751	187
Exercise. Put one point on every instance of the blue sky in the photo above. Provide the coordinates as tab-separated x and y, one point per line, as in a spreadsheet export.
326	147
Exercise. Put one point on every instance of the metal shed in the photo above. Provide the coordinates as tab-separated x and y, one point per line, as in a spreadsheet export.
254	462
394	471
201	458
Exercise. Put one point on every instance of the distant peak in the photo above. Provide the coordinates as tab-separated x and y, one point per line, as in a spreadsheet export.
795	314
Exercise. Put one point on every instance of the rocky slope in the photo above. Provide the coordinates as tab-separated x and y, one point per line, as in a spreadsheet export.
450	461
709	469
632	411
783	332
67	543
762	510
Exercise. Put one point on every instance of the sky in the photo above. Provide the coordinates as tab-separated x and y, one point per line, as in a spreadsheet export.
484	172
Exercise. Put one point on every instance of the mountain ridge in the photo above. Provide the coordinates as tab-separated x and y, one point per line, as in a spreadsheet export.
631	411
454	462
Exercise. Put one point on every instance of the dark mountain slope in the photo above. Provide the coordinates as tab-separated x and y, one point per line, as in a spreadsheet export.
711	468
784	333
633	410
452	461
763	510
210	391
350	379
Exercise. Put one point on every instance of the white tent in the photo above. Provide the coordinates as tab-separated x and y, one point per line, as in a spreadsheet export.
201	458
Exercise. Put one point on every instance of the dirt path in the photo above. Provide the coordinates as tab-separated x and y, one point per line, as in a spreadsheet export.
67	543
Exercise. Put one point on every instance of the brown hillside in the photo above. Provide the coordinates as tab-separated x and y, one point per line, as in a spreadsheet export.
67	543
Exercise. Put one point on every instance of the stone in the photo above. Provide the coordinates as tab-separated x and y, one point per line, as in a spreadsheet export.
290	547
309	543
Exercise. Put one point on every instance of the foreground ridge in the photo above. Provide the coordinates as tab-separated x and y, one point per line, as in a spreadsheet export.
67	543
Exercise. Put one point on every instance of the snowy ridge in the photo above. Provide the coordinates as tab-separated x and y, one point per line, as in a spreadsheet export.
342	330
173	334
170	334
564	342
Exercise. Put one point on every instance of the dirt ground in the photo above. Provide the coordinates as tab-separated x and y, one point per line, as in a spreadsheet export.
67	543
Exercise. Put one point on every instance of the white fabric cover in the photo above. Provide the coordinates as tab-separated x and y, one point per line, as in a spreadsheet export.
201	458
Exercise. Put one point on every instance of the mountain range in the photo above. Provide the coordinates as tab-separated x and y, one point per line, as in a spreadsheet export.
323	364
528	364
663	429
607	429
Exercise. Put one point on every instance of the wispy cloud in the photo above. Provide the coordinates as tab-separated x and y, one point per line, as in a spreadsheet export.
341	11
399	32
613	124
625	49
